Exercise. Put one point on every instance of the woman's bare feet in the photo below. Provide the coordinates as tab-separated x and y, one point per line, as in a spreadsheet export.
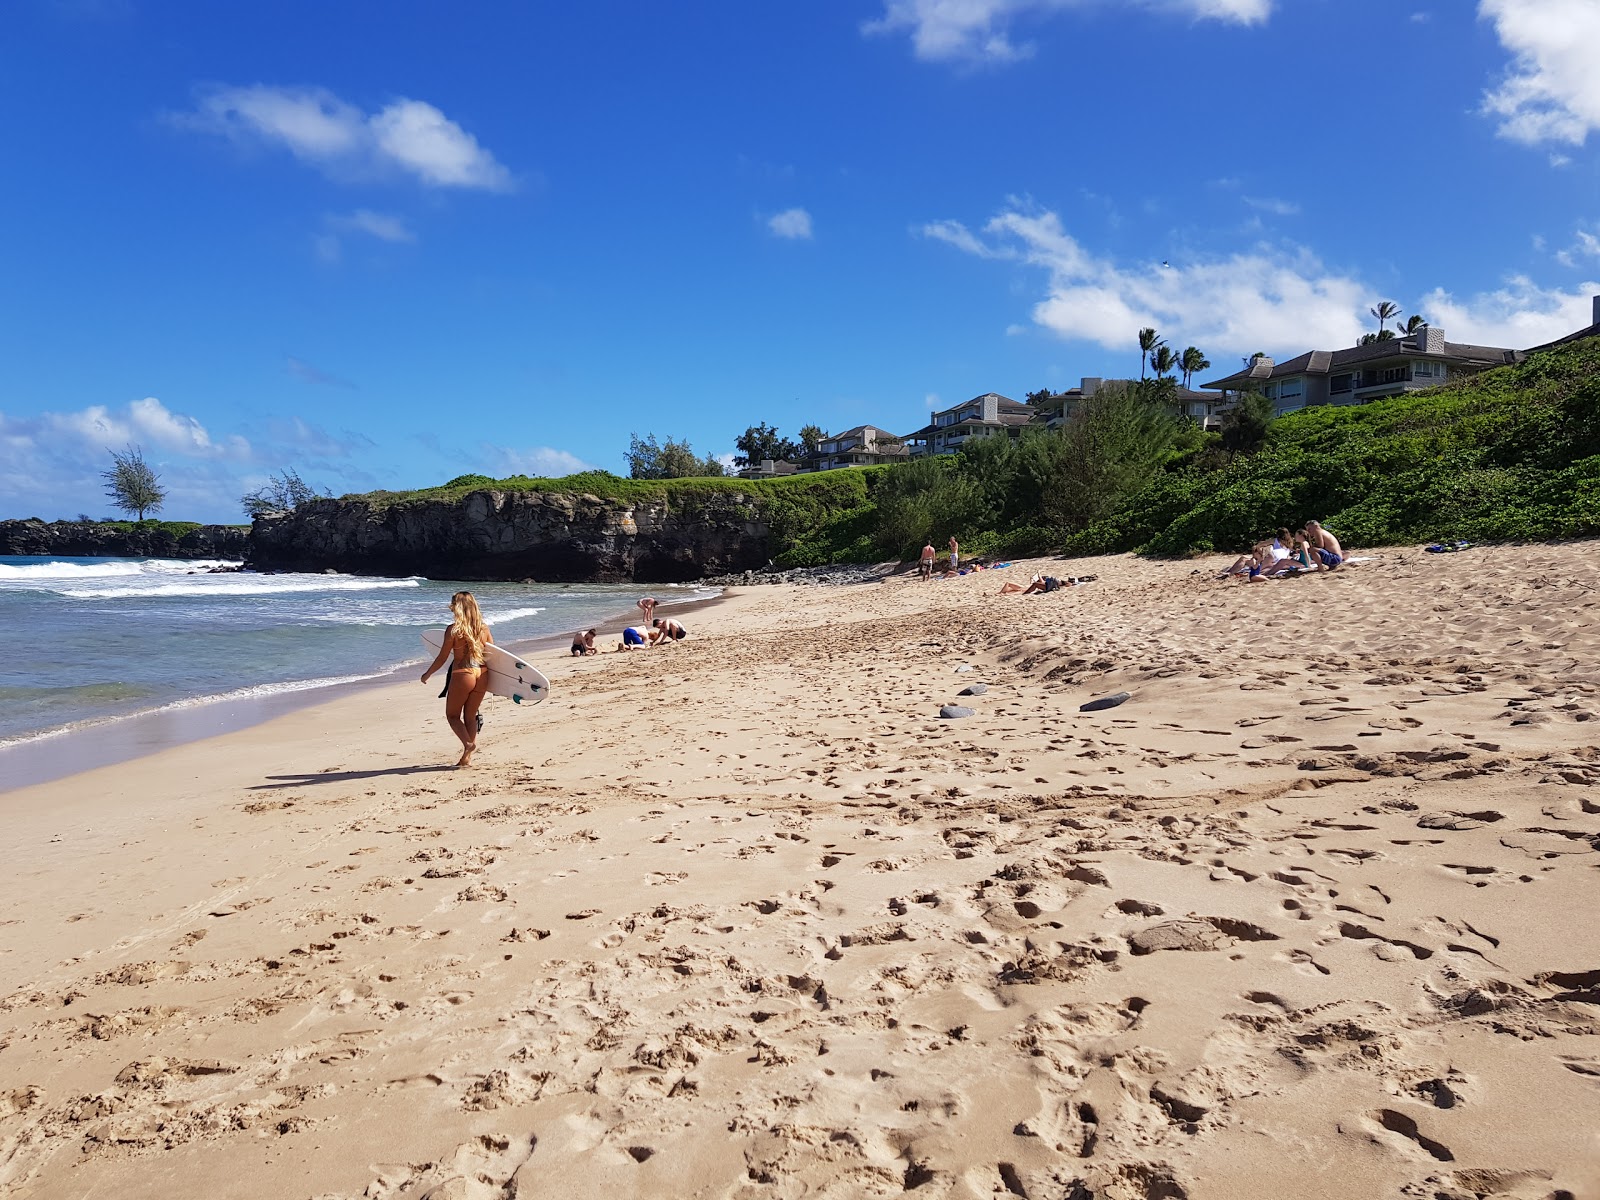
466	755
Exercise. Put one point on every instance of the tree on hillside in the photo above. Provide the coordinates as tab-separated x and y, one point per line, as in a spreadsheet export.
1110	448
1245	426
1037	398
281	493
648	459
1191	362
132	485
1383	335
810	438
1163	361
1148	341
1385	311
762	442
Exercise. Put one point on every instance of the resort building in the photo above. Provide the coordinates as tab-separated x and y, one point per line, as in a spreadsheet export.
768	468
1405	363
1205	409
863	446
988	415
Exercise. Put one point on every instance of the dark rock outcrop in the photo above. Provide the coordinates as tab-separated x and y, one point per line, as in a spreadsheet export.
90	539
553	537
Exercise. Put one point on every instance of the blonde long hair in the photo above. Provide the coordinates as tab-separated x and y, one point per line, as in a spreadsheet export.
468	624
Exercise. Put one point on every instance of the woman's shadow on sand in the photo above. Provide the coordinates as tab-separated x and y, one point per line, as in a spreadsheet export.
288	781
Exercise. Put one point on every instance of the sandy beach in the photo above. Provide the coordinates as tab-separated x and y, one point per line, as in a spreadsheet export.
1311	914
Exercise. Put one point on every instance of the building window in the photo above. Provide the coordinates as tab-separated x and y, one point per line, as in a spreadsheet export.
1423	370
1341	383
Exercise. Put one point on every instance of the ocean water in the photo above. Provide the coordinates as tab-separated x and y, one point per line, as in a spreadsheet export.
96	639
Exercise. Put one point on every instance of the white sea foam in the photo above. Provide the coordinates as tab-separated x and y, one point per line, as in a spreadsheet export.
236	585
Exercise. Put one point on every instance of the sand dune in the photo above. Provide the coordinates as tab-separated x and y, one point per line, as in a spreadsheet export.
1312	914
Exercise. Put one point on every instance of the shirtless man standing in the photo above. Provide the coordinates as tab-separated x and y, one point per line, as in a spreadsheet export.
955	556
925	567
1325	548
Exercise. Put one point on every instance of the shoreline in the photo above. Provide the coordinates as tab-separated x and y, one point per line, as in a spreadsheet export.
57	754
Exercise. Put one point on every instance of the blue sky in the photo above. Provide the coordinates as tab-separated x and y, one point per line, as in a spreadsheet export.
386	243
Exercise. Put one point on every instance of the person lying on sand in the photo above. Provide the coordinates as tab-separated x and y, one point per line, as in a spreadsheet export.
1039	583
1326	553
583	642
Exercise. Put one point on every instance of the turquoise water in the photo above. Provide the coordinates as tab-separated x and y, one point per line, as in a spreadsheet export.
95	639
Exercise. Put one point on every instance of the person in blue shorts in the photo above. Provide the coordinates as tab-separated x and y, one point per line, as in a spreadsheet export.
1325	549
634	638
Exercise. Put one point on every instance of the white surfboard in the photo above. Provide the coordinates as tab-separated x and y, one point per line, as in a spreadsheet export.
509	676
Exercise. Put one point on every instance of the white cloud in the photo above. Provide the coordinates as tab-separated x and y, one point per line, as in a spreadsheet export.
145	422
1518	315
319	128
977	31
728	465
1272	205
1281	300
932	401
51	462
379	225
540	462
1586	245
1551	92
792	223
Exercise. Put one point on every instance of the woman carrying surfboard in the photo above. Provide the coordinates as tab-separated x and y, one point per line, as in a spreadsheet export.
465	644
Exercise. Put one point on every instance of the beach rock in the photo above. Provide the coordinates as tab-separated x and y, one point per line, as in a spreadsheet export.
1176	935
951	711
1102	702
964	668
976	689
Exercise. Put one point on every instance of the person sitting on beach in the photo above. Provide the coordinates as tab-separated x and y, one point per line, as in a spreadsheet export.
636	637
583	643
1326	553
667	630
925	566
648	606
464	643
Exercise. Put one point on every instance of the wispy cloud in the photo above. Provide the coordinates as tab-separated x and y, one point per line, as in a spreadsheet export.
791	223
1281	299
306	373
979	31
1518	315
345	142
540	462
1551	92
375	224
299	439
1272	205
1585	245
50	462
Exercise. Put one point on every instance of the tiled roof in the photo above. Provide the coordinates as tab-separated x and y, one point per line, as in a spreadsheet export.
1324	362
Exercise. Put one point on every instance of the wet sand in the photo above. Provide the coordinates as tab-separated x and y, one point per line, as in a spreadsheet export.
1312	913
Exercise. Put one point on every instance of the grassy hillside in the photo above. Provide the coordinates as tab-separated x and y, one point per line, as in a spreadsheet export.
1511	454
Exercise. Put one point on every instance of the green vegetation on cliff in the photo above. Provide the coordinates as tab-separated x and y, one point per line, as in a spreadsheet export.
1510	454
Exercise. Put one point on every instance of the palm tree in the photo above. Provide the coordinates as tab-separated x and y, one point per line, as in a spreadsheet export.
1413	323
1163	361
1386	310
1191	362
1148	341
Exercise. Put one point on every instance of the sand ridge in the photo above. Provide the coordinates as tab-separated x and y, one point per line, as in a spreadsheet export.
1311	914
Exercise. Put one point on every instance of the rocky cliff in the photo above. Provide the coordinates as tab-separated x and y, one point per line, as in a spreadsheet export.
90	539
554	537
